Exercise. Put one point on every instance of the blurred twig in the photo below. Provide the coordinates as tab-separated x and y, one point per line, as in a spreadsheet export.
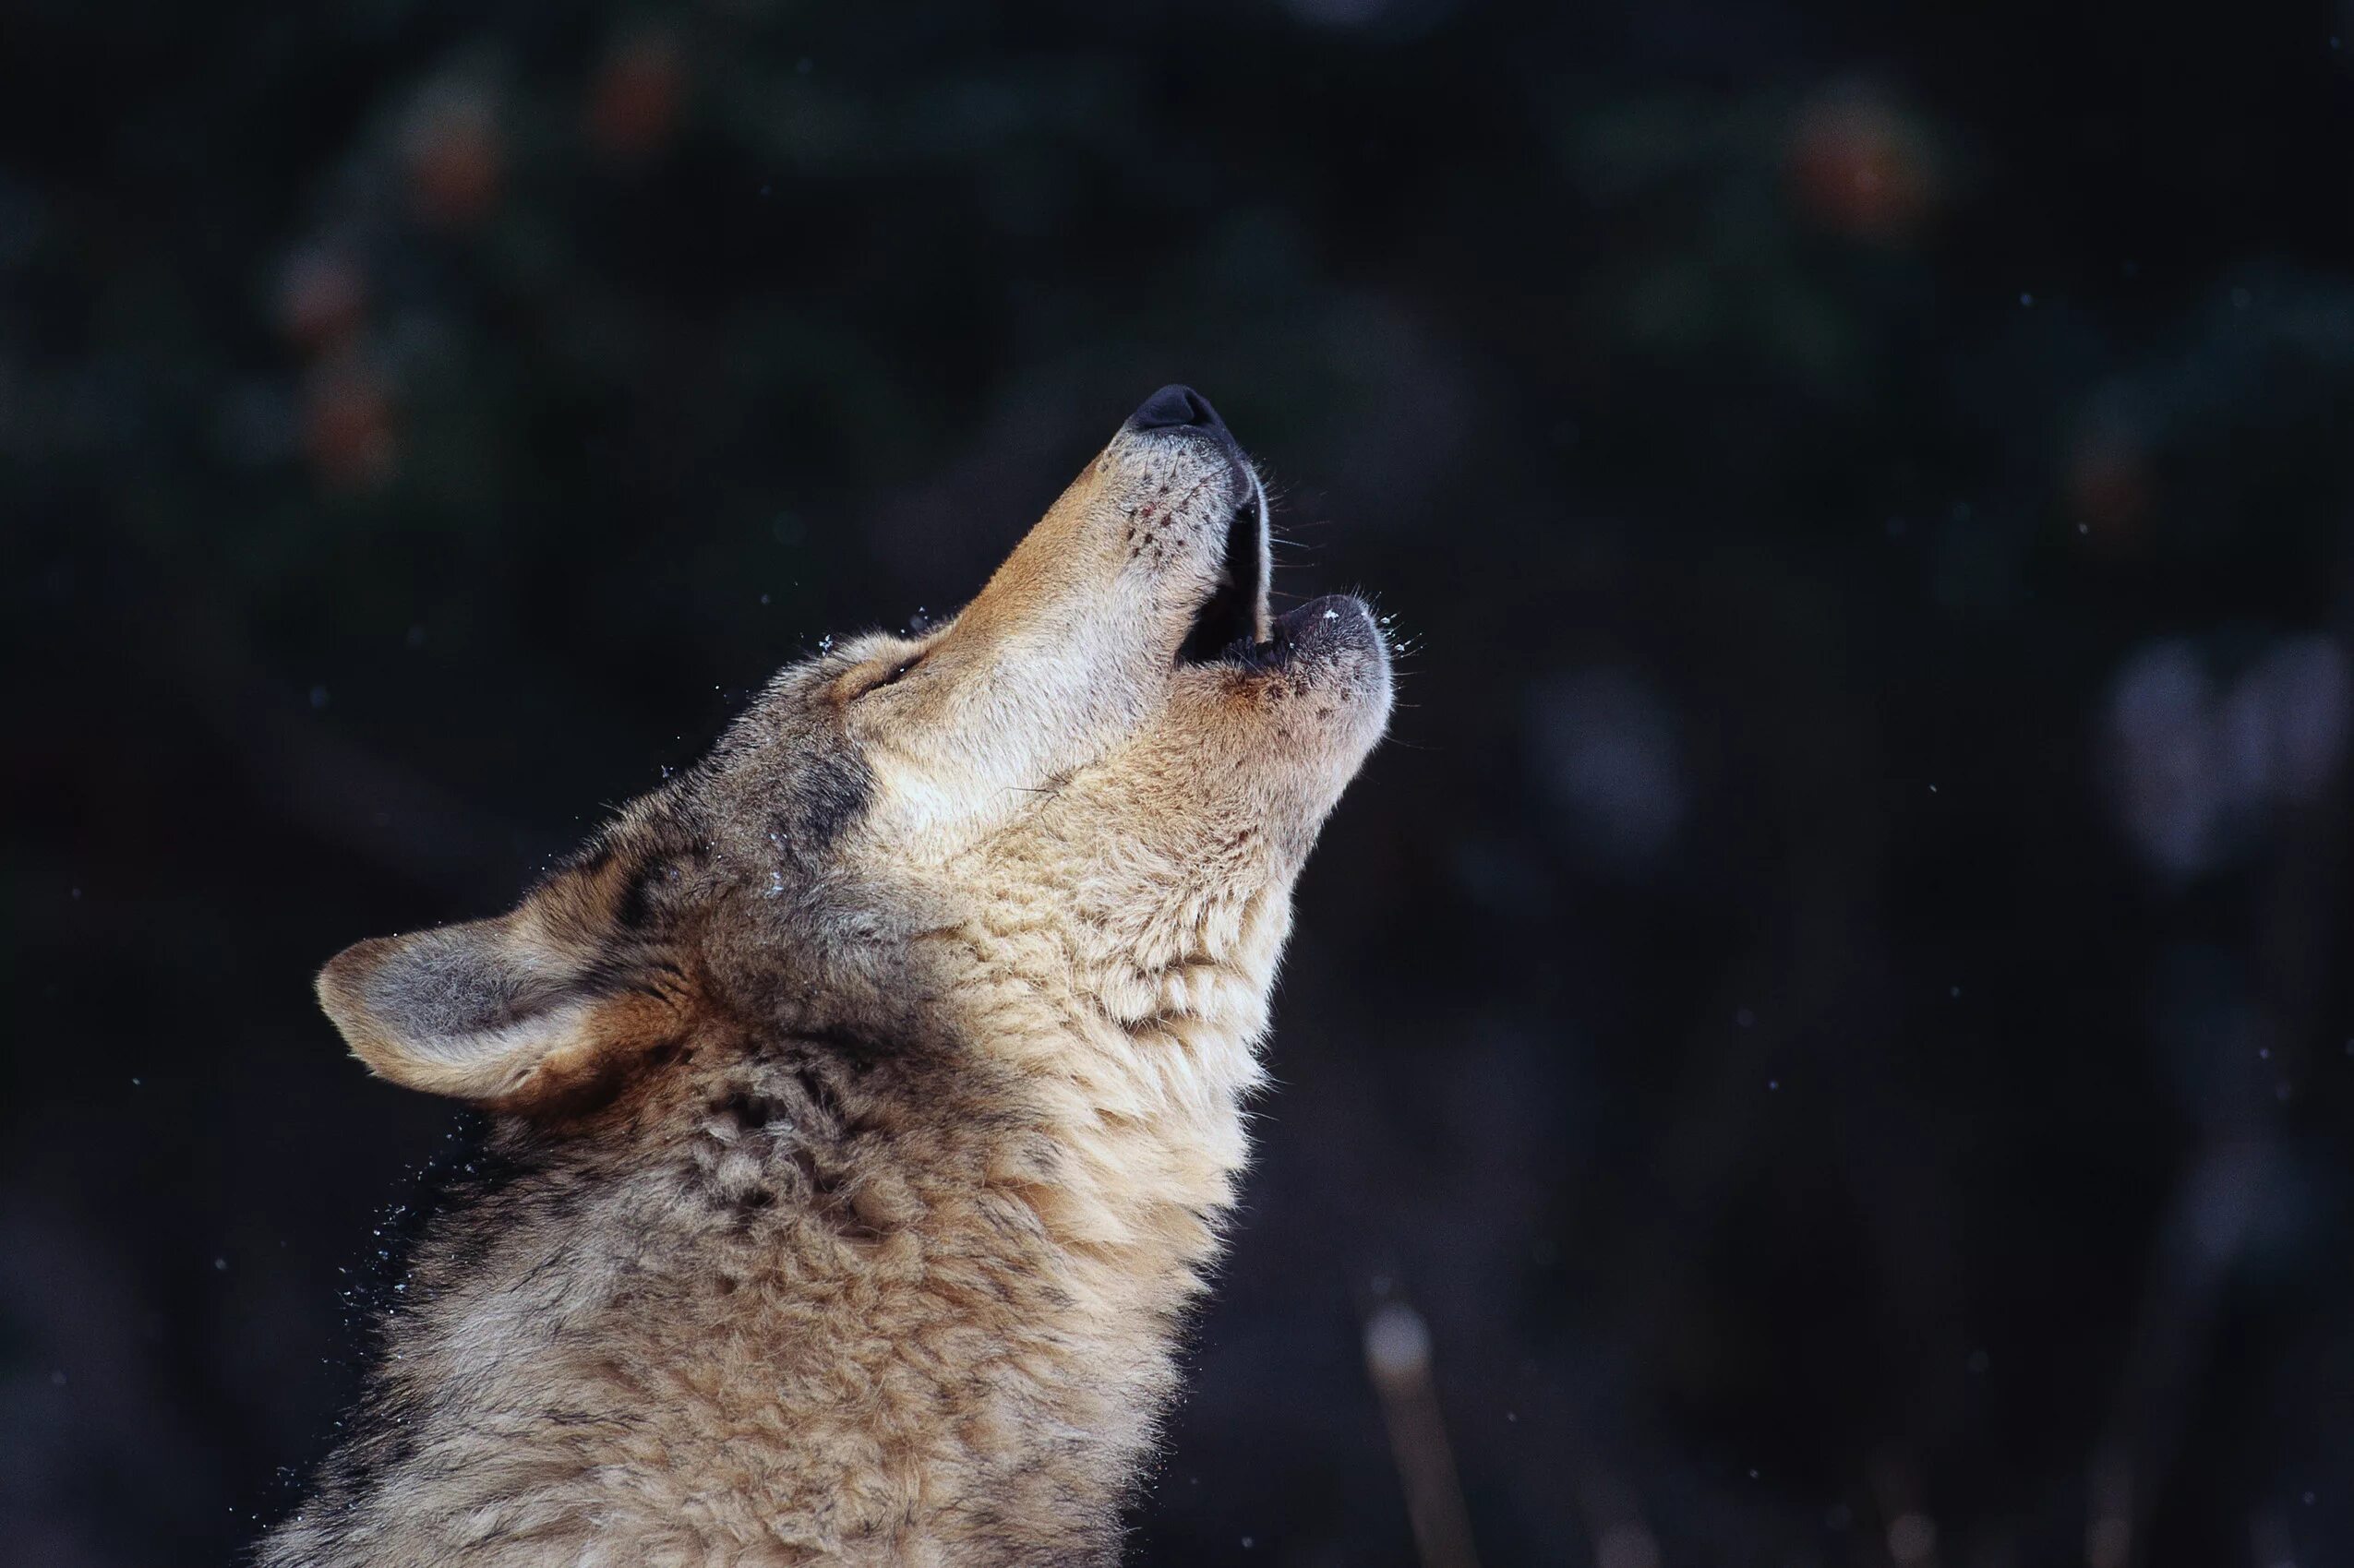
1398	1359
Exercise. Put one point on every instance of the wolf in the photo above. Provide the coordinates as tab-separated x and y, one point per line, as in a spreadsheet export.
865	1101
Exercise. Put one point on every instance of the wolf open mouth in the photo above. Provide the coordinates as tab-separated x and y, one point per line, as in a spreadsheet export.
1233	621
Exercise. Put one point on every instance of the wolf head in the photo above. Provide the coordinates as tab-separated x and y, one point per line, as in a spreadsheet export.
1082	800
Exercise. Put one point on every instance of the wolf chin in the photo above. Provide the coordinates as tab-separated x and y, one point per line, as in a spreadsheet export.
866	1098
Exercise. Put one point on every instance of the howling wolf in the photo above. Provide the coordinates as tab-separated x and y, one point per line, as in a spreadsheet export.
865	1101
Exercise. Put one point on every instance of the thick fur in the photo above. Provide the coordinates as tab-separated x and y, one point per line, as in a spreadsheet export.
867	1099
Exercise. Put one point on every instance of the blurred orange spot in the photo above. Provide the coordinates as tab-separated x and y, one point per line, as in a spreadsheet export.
1860	165
322	298
453	153
347	426
634	105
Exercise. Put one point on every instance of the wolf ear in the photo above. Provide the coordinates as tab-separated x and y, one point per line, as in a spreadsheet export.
503	1013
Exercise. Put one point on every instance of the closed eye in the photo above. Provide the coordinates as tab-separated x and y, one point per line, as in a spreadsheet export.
893	674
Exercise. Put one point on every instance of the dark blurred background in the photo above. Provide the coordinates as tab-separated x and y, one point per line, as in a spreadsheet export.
1828	1007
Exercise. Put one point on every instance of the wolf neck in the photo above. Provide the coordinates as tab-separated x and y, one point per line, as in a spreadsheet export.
1133	1079
1138	1072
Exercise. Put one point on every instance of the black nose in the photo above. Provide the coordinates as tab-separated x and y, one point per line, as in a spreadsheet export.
1172	406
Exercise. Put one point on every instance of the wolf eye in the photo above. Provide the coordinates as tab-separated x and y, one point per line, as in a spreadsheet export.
901	668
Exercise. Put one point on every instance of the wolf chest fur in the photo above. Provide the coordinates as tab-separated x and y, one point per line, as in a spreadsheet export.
867	1099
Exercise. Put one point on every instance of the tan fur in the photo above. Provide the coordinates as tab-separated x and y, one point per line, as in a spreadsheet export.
866	1100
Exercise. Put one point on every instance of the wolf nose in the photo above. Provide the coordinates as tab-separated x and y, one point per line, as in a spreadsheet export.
1173	406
